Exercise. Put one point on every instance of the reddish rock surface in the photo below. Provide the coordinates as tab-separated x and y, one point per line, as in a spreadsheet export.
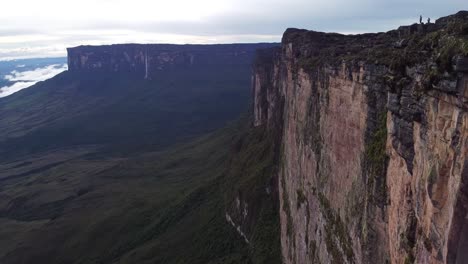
374	143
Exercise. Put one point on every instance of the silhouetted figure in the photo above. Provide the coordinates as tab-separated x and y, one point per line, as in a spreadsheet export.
428	20
420	19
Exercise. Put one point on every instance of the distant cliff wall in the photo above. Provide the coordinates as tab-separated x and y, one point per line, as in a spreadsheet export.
373	165
146	60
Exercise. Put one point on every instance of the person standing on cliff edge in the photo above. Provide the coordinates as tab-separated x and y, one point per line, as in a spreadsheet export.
420	19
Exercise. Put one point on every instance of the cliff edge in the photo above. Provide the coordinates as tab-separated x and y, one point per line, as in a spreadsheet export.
374	144
146	60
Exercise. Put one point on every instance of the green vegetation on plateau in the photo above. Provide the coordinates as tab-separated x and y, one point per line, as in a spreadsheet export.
157	207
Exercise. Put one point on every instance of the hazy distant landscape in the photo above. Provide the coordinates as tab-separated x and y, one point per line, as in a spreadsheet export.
16	75
233	132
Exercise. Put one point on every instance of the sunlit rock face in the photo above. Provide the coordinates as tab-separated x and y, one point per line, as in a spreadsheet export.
373	165
146	60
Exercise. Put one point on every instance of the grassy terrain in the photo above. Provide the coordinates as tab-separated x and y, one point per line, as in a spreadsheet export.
157	207
252	178
113	168
122	114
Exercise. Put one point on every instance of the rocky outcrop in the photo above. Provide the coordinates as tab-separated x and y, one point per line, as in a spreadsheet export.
373	165
146	60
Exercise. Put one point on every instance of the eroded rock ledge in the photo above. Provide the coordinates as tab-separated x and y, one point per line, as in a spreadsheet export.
374	142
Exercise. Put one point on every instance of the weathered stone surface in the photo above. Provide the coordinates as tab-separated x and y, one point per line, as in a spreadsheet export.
146	60
268	101
373	162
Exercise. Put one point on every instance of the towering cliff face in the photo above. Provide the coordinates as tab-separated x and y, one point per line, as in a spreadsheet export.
146	60
374	142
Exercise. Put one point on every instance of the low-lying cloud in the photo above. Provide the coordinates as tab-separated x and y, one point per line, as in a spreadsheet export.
24	79
8	90
39	74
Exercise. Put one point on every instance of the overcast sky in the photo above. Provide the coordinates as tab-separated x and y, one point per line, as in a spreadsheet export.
32	28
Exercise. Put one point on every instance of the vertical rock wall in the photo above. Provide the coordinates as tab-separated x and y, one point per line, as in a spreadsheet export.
146	60
374	139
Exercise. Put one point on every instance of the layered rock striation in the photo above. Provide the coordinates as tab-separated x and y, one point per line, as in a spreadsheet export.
146	60
374	139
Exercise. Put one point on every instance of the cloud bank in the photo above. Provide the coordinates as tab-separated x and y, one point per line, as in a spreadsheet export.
9	90
38	74
32	28
24	79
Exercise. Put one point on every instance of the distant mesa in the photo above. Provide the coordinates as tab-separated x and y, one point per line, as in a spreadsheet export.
146	60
